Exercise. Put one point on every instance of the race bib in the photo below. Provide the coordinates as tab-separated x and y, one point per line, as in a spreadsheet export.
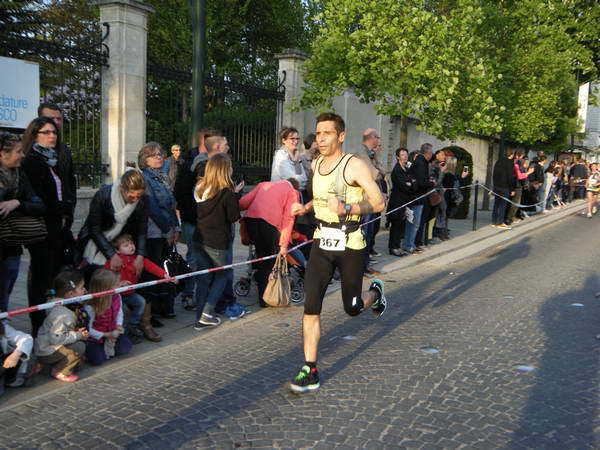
332	239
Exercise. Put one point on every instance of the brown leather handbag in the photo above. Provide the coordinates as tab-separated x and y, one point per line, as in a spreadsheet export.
434	198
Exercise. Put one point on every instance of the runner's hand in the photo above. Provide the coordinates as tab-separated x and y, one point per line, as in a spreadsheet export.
298	209
335	205
283	252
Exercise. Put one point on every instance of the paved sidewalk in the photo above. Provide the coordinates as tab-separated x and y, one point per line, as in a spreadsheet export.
177	331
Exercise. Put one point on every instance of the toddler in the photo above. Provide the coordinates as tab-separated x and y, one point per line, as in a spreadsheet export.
141	313
60	340
106	338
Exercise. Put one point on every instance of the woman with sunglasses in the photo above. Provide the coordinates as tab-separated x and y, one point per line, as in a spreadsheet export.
40	141
16	196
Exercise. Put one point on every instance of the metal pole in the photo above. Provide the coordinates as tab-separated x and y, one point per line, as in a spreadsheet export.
198	15
475	205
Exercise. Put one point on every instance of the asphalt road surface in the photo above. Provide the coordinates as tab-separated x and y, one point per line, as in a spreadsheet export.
443	368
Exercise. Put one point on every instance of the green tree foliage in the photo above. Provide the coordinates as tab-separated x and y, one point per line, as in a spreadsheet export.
458	66
242	36
415	61
19	16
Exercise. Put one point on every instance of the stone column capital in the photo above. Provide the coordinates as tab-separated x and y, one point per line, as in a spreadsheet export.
130	3
292	53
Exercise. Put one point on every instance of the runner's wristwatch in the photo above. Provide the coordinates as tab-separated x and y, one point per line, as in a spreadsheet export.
347	207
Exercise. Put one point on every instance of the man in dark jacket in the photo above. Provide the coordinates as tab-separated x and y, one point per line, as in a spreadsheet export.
578	175
504	185
536	182
419	172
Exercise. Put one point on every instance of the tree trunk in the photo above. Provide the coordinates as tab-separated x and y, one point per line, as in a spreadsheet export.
404	132
485	206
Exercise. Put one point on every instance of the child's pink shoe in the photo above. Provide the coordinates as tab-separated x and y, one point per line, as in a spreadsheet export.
64	378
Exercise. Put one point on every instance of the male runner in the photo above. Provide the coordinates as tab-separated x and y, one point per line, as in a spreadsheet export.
340	183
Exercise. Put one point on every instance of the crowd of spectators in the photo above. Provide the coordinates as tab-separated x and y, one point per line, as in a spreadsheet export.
134	223
525	188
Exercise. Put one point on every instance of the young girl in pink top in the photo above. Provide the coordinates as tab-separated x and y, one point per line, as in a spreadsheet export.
106	338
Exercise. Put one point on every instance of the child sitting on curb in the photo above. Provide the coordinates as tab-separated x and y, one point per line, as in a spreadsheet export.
16	349
141	312
60	341
106	320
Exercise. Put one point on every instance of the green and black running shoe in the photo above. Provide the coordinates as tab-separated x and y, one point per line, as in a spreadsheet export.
380	304
306	380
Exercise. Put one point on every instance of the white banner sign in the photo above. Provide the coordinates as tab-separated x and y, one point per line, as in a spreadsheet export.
19	92
582	110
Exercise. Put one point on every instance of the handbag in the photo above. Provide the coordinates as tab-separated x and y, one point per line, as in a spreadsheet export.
434	198
277	292
174	265
17	229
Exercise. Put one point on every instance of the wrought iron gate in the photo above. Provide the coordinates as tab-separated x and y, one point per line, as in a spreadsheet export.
248	116
70	77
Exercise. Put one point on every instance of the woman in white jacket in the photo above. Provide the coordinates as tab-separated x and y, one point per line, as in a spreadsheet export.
287	162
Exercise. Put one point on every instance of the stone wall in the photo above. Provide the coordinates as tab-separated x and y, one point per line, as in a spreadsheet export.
84	198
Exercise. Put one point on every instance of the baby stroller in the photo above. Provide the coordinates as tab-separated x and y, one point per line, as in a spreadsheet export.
242	286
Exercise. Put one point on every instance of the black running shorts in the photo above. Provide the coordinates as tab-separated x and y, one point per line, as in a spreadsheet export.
321	266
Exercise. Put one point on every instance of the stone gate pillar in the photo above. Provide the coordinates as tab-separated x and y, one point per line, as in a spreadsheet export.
290	70
123	125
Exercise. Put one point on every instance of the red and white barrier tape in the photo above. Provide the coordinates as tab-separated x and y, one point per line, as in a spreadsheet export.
87	297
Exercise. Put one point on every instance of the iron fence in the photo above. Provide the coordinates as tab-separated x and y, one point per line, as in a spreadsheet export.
249	116
70	77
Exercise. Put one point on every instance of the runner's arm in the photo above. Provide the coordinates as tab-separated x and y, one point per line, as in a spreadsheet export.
357	172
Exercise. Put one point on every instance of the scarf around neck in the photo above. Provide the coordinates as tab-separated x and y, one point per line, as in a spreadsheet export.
48	154
122	212
161	176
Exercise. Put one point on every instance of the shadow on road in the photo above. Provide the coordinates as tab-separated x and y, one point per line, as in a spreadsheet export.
230	401
562	407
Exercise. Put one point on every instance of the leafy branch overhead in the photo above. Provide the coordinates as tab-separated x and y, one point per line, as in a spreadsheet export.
459	66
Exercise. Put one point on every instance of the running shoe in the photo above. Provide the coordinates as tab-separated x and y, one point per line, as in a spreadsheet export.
306	380
503	226
380	304
208	320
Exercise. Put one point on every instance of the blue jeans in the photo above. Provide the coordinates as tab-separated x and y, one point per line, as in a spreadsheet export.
9	271
94	351
410	229
499	212
369	234
219	279
188	229
550	198
536	196
136	303
204	283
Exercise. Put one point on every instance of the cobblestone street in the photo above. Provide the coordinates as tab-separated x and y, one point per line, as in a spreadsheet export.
438	370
